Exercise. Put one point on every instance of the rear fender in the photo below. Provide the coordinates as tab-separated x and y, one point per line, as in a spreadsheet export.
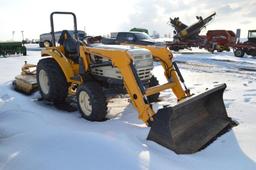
67	68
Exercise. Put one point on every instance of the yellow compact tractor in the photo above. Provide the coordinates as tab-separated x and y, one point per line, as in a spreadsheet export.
89	72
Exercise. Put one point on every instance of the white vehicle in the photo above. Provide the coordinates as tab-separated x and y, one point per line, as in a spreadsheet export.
46	38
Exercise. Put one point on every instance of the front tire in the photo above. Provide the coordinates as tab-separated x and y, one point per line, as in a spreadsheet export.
239	52
51	80
153	82
92	102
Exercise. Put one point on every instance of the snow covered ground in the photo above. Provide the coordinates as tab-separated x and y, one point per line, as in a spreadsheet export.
36	136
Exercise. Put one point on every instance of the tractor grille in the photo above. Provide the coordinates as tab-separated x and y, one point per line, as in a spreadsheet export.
144	73
143	64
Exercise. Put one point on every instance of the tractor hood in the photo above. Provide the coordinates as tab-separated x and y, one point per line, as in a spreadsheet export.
133	50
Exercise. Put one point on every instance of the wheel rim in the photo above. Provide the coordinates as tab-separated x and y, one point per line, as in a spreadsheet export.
84	103
238	52
44	81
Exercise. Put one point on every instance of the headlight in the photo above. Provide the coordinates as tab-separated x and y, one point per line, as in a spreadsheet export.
143	63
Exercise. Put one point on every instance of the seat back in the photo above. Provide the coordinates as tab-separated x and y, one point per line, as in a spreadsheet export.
71	45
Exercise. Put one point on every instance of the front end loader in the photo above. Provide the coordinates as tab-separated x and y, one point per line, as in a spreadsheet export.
184	128
195	121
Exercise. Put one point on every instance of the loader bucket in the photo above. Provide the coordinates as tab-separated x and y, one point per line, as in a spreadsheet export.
192	124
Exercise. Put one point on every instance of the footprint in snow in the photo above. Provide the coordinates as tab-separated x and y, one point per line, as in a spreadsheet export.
227	105
228	102
8	132
197	84
4	99
1	103
223	141
253	94
251	90
247	99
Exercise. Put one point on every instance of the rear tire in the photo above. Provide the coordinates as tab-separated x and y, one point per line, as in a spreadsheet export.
153	82
92	102
239	52
51	80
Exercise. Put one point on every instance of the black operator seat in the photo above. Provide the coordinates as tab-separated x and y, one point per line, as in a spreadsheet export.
71	46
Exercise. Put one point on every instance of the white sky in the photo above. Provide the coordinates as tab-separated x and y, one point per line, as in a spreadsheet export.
101	17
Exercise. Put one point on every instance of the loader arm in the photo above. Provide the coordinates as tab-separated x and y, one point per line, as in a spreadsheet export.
164	56
123	61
